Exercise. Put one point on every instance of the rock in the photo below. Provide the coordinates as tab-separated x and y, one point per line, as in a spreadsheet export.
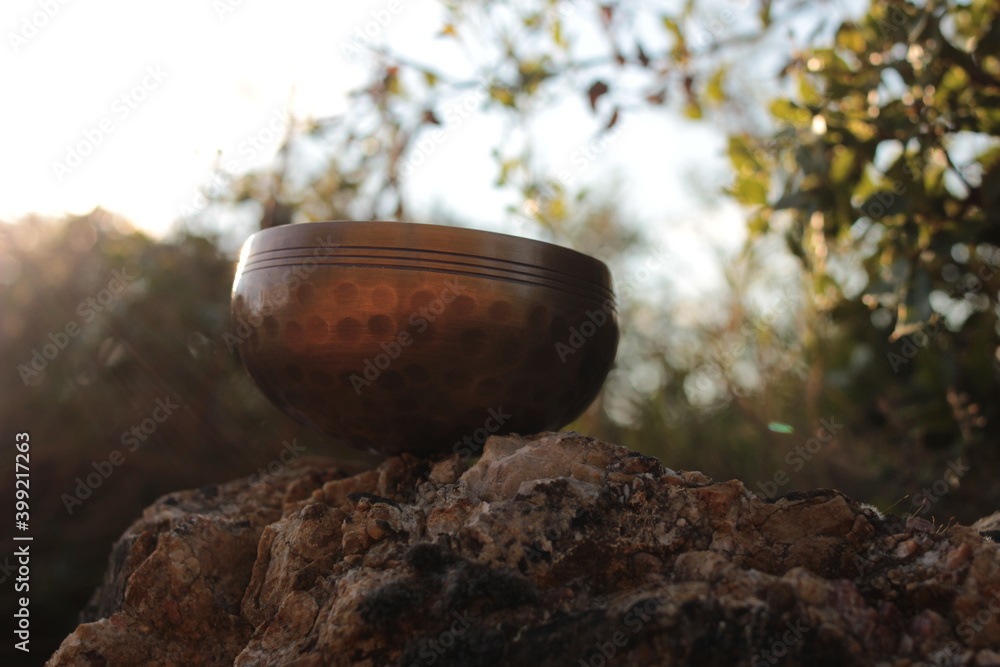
554	549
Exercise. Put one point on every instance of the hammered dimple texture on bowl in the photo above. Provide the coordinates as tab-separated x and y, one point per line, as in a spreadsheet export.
396	358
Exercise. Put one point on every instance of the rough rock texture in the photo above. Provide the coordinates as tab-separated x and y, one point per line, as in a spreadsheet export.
551	550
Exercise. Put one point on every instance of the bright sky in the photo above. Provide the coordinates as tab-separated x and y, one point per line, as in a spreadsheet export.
158	89
126	105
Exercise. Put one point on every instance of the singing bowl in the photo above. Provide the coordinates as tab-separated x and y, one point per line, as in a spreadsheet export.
402	337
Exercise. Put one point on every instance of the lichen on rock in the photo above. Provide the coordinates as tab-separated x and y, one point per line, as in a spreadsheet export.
554	549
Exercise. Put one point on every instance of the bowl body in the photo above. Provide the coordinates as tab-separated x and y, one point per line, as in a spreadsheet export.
401	337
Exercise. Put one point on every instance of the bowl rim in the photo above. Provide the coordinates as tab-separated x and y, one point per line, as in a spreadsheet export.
429	241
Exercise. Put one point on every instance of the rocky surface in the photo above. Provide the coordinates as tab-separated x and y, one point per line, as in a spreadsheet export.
551	550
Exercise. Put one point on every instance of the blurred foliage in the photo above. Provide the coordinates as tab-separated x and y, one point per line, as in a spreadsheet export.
883	176
864	153
155	336
870	154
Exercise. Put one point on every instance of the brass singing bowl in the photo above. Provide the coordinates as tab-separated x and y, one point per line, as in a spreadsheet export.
402	337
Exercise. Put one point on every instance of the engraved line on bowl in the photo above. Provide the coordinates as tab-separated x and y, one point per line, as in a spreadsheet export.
557	276
506	278
394	227
575	256
339	251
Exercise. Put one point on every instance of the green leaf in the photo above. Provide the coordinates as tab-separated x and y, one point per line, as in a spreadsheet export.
679	49
752	190
505	168
714	91
807	92
850	38
672	27
790	112
742	156
557	34
504	96
533	73
842	164
759	224
934	179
